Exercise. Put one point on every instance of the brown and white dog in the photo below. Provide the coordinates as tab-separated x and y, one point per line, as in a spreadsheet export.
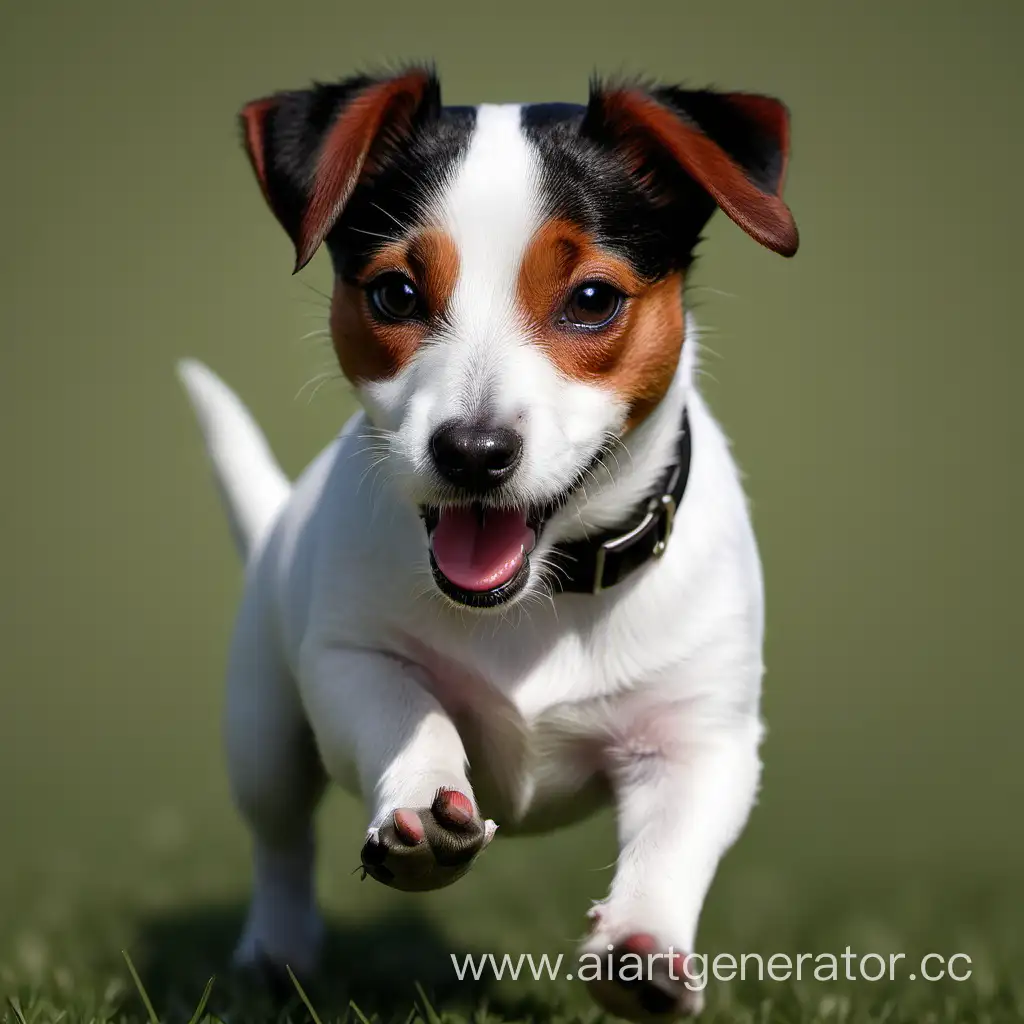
528	559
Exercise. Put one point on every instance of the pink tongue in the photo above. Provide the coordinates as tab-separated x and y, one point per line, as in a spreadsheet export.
480	558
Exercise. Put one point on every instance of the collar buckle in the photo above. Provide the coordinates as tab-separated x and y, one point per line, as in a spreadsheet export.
661	511
667	520
598	563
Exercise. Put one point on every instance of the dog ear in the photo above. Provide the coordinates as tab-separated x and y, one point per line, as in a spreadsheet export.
310	148
734	145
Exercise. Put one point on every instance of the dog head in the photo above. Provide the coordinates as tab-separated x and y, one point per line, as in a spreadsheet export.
508	294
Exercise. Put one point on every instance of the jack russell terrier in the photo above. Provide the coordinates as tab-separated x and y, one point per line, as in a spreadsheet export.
522	582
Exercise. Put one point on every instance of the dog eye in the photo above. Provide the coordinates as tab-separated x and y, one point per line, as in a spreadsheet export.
394	297
593	304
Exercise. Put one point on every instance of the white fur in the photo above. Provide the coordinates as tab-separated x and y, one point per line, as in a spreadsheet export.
653	684
250	481
483	363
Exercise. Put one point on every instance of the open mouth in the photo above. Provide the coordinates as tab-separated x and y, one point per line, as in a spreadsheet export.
479	554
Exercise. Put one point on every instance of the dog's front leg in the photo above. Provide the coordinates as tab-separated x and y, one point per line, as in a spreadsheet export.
378	727
681	800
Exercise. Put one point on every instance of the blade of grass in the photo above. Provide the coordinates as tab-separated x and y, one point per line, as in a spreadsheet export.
16	1007
303	996
198	1015
153	1018
359	1013
429	1011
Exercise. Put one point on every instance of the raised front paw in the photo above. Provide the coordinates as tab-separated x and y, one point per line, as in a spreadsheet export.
427	847
644	980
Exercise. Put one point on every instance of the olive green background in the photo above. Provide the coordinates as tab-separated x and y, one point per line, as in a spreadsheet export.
871	386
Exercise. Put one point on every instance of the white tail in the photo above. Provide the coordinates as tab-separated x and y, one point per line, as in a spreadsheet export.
251	482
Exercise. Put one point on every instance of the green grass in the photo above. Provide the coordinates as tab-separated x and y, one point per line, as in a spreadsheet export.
871	387
173	896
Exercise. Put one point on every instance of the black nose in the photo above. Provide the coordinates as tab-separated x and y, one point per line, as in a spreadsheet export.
475	457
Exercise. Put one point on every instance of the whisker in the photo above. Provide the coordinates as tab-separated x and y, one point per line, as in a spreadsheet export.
714	291
317	383
316	390
371	234
368	450
387	213
315	290
371	471
707	348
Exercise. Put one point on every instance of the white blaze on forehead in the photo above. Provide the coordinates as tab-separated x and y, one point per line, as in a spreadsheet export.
482	359
491	210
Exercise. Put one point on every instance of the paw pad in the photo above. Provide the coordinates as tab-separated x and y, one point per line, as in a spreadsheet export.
659	991
427	847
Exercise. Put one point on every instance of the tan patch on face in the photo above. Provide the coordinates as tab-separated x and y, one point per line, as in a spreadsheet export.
638	352
370	348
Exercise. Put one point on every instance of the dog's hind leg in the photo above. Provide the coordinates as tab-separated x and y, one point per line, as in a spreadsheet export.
277	781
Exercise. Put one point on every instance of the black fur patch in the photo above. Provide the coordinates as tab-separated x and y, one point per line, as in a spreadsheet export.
384	206
292	136
651	214
740	136
408	166
651	219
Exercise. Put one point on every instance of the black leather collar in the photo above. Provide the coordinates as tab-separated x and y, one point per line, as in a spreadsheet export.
599	562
